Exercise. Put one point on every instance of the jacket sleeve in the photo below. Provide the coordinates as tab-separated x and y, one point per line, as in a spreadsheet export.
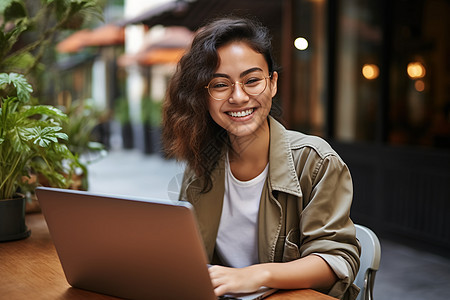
325	224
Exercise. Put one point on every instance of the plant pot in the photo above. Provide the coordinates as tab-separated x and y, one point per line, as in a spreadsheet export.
127	136
152	139
12	219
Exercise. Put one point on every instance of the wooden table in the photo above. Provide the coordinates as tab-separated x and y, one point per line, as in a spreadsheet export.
30	269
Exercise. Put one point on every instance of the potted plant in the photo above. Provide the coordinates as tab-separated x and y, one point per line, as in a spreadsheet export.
30	138
27	30
151	119
83	117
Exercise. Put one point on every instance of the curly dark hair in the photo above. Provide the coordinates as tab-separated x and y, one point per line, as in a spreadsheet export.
189	133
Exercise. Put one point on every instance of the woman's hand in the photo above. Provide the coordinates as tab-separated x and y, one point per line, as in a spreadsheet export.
236	280
307	272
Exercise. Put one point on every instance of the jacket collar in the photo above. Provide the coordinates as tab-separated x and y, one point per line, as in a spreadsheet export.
282	173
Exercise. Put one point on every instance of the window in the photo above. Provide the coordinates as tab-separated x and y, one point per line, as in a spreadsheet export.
358	56
419	108
309	50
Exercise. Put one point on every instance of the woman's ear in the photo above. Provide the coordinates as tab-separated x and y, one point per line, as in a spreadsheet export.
273	83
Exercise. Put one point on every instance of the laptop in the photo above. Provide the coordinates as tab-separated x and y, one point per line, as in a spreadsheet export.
130	248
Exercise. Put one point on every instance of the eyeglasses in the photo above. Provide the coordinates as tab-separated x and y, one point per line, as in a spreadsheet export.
254	84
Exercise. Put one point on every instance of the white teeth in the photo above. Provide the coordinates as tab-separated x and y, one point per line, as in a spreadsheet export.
239	114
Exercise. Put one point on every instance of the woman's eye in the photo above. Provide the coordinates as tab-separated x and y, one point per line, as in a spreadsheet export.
220	85
252	81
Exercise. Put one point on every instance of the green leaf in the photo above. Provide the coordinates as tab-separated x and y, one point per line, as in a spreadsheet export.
15	10
19	138
45	136
20	61
62	135
10	38
63	151
19	81
47	110
85	8
4	4
60	8
95	146
4	79
25	134
24	89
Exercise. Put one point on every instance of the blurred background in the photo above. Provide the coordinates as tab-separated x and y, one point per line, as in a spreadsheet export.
371	77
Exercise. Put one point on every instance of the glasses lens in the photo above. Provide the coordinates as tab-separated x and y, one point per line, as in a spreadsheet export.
254	83
220	88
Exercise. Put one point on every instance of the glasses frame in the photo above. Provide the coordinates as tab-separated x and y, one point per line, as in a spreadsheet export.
242	87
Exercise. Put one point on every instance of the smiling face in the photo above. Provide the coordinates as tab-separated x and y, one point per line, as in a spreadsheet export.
242	114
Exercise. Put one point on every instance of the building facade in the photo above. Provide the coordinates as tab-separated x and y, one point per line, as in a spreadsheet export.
375	82
373	78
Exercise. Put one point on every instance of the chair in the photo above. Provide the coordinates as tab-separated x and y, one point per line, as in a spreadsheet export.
370	261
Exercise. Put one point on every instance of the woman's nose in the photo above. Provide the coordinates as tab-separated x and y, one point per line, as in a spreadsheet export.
238	94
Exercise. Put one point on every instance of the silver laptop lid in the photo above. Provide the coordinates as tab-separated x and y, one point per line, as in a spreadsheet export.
128	248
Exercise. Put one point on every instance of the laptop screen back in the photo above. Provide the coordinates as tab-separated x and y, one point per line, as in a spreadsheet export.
129	248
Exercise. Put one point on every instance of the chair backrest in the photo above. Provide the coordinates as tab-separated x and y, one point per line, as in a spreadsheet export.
370	261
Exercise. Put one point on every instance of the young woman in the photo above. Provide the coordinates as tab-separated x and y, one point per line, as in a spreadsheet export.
272	205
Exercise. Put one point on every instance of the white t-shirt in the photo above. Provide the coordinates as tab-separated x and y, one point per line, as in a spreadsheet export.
237	238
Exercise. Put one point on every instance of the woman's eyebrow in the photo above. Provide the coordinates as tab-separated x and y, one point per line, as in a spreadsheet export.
240	75
221	75
250	71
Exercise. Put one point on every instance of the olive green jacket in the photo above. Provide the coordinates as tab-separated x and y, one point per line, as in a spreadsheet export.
304	206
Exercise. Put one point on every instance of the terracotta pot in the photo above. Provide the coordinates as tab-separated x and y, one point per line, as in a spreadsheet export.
12	219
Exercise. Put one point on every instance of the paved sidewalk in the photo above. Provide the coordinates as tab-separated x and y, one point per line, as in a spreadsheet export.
405	273
132	173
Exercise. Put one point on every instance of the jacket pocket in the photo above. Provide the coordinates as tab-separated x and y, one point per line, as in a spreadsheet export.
291	251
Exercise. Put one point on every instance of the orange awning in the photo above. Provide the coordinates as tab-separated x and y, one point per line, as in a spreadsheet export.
102	36
161	49
153	56
106	35
74	42
160	56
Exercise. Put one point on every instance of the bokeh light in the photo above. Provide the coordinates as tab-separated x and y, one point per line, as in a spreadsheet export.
419	85
301	43
416	70
370	71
